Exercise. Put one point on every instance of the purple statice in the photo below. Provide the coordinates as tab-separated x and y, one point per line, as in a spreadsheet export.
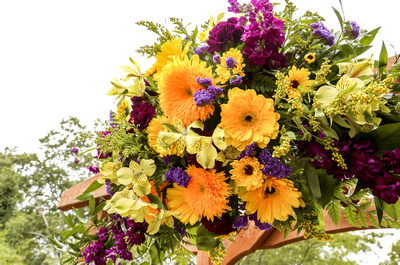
111	121
95	253
258	223
241	222
224	33
321	31
199	50
108	187
217	58
166	159
179	176
247	152
272	166
230	62
354	32
203	98
142	113
263	37
181	231
75	150
215	90
221	225
203	81
235	80
94	170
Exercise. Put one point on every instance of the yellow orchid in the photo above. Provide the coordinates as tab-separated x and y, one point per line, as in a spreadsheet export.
136	174
127	204
162	217
327	94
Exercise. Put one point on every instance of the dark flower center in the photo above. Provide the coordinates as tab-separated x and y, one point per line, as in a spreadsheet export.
248	170
294	84
269	192
311	57
248	118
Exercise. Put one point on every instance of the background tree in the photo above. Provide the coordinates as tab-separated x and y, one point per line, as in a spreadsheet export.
30	188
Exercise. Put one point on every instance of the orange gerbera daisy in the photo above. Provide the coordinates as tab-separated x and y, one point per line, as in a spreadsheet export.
205	196
169	50
275	199
298	77
247	173
177	85
153	129
248	118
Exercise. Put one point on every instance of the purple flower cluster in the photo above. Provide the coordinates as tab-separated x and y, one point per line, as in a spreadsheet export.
95	253
142	112
362	161
264	36
243	220
247	152
321	31
220	226
179	176
354	32
272	166
94	170
206	96
224	33
108	187
199	50
75	150
230	62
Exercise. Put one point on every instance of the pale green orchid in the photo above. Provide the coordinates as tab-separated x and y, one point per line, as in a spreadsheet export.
176	137
362	70
108	171
325	95
136	175
128	204
162	217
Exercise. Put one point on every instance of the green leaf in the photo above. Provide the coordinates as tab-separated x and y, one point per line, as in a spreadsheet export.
313	181
99	208
92	204
369	37
334	211
286	233
67	234
327	184
378	207
373	220
74	247
329	131
346	48
339	17
386	136
351	215
151	82
393	210
170	127
55	242
362	49
362	218
383	59
94	186
205	239
84	197
78	215
154	199
68	221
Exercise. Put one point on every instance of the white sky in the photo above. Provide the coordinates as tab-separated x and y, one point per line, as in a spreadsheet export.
57	57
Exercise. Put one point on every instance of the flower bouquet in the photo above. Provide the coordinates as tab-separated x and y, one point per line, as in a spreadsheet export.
260	117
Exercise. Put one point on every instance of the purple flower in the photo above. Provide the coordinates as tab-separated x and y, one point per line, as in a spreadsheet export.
230	62
215	90
181	231
199	50
261	226
224	33
354	32
234	6
247	152
108	187
75	150
203	98
166	159
95	254
235	80
179	176
94	170
76	160
321	31
217	58
203	81
142	113
241	222
220	226
387	188
272	166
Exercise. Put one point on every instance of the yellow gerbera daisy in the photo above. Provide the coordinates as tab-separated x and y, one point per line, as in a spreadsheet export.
169	50
275	199
247	173
177	85
248	118
223	72
123	110
309	57
298	77
205	196
154	128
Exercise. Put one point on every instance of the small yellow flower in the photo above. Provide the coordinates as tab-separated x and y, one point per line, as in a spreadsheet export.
298	78
309	58
223	72
247	173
